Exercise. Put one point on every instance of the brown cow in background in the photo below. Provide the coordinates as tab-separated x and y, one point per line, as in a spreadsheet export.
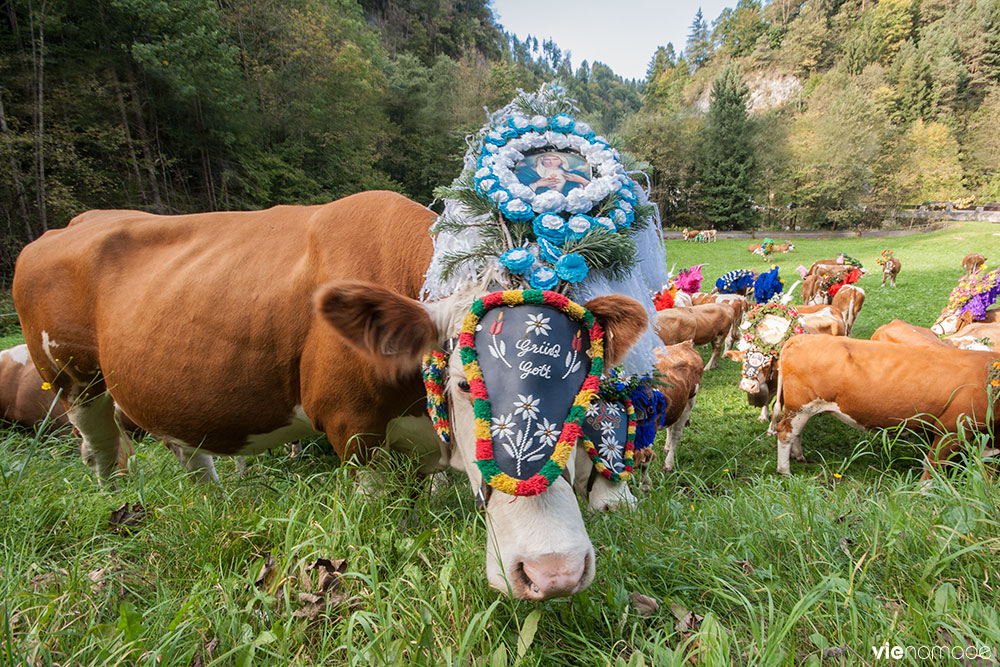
973	262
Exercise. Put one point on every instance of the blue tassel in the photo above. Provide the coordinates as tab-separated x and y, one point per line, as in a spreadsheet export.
767	285
653	405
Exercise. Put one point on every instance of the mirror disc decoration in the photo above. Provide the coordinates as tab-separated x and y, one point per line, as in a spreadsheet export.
533	359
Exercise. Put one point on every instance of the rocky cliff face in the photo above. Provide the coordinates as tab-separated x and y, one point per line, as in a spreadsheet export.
768	90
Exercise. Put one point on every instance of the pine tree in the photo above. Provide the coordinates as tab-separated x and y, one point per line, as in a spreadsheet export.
699	44
725	165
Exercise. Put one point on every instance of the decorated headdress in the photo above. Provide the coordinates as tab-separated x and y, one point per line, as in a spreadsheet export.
736	281
975	293
689	280
532	355
767	285
884	258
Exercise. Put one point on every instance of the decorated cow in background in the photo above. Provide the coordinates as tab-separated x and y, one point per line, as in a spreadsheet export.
973	262
890	267
347	299
970	302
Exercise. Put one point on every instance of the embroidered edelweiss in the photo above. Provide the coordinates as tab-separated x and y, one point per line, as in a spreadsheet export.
609	449
547	432
538	325
593	409
614	410
502	425
608	428
526	406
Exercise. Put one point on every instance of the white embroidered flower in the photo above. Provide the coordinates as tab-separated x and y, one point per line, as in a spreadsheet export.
608	449
593	409
502	425
549	202
614	410
547	432
538	325
608	428
527	406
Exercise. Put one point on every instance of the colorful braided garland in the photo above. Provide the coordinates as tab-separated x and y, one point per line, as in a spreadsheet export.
884	258
572	429
434	365
627	459
757	314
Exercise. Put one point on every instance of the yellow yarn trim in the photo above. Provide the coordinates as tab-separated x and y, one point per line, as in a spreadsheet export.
483	429
504	483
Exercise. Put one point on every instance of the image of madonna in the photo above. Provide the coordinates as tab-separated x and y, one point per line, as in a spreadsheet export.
553	171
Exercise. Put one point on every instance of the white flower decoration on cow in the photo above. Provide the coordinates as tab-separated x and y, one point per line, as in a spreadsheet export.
526	406
608	448
548	432
502	426
538	325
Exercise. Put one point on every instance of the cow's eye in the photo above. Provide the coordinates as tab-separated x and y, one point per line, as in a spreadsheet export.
463	385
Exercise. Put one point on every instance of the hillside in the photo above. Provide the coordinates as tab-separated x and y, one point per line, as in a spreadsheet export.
851	103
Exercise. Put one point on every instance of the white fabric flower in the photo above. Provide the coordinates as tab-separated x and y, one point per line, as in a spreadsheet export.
517	205
535	140
549	202
581	128
522	191
539	122
577	201
483	172
507	178
579	224
527	406
557	139
499	196
519	121
538	325
607	223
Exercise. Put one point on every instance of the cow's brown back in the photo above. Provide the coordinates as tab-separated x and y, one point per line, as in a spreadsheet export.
202	325
22	398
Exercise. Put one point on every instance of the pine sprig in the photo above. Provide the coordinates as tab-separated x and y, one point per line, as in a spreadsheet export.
614	253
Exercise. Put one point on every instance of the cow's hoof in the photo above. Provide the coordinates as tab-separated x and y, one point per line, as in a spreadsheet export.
764	420
800	459
785	471
772	432
667	468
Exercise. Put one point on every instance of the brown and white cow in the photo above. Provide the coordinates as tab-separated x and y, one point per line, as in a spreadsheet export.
978	335
973	262
904	333
689	234
951	322
873	384
822	319
811	293
710	323
228	333
849	299
890	270
22	398
680	370
738	303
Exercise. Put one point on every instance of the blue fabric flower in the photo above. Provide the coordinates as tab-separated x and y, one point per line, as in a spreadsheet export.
735	281
486	185
520	124
550	226
622	219
572	268
548	251
577	226
518	260
606	223
544	278
508	132
517	210
628	195
581	129
767	285
562	123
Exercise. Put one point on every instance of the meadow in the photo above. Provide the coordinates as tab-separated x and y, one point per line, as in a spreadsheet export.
747	568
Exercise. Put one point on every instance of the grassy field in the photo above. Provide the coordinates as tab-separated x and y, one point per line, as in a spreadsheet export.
849	553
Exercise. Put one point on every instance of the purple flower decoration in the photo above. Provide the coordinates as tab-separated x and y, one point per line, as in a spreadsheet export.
572	268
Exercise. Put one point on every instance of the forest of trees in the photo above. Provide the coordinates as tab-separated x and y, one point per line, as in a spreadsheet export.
189	105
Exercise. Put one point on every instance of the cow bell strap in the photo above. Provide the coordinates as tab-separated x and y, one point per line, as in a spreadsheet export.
434	368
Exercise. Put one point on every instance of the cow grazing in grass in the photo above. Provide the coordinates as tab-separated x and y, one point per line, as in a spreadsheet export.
973	262
951	322
228	333
680	370
708	324
873	384
689	234
822	319
23	399
812	294
904	333
739	305
849	299
978	335
890	270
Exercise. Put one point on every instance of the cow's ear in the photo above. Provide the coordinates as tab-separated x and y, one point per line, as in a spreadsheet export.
735	355
387	326
624	319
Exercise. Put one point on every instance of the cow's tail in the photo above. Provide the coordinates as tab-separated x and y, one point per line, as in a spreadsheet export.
789	293
778	402
849	318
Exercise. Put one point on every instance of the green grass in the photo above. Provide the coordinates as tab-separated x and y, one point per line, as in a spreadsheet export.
849	552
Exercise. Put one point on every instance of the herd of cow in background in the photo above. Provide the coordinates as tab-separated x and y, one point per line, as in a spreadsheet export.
819	372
